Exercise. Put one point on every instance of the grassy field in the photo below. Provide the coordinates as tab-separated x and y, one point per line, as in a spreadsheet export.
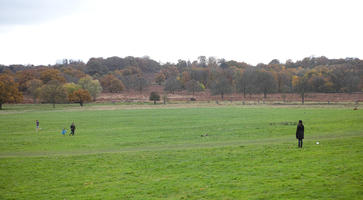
157	152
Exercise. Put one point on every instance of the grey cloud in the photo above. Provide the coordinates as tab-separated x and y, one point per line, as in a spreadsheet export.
18	12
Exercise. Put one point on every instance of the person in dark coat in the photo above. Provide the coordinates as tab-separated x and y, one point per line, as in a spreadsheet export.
300	133
73	128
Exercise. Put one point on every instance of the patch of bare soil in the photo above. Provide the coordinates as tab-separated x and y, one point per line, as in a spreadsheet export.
132	96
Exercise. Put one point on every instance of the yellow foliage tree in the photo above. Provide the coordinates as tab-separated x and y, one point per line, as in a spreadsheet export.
53	92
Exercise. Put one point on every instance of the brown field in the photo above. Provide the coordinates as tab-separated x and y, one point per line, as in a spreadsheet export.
132	96
205	96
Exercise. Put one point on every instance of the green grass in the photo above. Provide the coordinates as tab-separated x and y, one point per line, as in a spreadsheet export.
157	152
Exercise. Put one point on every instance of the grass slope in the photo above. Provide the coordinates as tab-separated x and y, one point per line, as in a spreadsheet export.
249	153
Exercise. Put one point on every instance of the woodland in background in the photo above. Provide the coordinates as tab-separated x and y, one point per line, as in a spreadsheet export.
76	81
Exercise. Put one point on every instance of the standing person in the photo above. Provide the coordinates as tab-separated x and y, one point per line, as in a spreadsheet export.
37	125
300	133
73	128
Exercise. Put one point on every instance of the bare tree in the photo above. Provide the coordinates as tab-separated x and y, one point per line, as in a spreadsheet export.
301	85
265	83
172	85
193	86
139	83
244	83
221	85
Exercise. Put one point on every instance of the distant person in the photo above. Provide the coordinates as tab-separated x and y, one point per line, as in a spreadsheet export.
37	125
300	133
64	131
73	128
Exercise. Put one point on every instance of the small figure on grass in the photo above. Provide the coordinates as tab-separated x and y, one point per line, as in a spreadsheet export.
64	131
300	133
73	129
37	125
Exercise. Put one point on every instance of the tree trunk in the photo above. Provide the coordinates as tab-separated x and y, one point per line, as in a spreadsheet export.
264	94
244	92
222	95
302	97
81	103
1	106
154	101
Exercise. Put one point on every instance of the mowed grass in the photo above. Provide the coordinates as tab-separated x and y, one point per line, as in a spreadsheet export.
158	153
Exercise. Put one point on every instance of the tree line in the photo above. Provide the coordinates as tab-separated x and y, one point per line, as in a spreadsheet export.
76	81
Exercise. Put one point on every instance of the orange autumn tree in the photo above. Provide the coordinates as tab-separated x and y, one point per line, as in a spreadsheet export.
112	84
80	96
51	74
9	92
22	77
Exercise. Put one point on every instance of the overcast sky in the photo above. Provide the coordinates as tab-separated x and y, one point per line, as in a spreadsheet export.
253	31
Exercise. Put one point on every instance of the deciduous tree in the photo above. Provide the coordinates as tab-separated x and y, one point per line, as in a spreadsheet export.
160	78
200	74
139	83
96	67
70	88
34	87
72	74
300	85
185	77
22	77
92	86
202	61
131	70
9	92
221	85
265	83
112	84
80	96
154	96
172	85
170	72
193	86
53	92
244	83
51	74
